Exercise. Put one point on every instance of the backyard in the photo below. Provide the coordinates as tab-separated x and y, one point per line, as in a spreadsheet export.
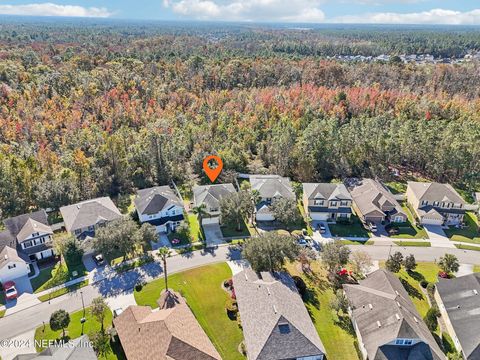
336	332
354	229
470	233
202	288
74	331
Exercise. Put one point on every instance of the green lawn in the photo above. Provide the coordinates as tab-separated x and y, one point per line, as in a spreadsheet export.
2	313
413	243
63	291
467	247
202	287
476	268
230	230
410	230
411	282
352	242
336	333
396	187
57	275
355	229
74	330
470	233
195	230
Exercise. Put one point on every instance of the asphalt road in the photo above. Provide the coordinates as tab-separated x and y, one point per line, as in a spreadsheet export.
31	318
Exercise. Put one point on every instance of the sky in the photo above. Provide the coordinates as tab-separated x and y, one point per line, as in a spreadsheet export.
454	12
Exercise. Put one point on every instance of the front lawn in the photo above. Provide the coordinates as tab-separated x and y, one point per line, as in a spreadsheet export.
470	233
63	291
353	242
230	230
195	230
57	275
411	281
409	230
476	268
202	288
355	229
187	234
336	332
467	247
74	330
413	243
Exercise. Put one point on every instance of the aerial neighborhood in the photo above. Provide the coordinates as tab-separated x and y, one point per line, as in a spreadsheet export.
270	305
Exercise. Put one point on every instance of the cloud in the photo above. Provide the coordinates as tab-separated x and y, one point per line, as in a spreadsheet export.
50	9
434	16
249	10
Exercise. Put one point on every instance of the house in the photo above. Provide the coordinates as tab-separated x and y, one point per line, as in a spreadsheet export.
458	300
435	203
477	201
76	349
29	234
210	196
161	207
270	188
386	321
170	332
83	218
12	265
327	202
275	322
373	202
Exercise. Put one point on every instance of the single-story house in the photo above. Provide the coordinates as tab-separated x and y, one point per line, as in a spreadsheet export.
77	349
386	321
169	332
326	201
12	265
458	300
373	202
270	188
275	322
83	218
210	196
435	203
29	234
160	206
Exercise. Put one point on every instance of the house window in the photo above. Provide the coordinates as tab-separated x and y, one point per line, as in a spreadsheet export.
27	244
284	328
403	342
318	202
424	202
333	203
343	203
435	203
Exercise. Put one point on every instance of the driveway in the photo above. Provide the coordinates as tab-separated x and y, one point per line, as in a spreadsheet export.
437	236
317	236
25	299
213	234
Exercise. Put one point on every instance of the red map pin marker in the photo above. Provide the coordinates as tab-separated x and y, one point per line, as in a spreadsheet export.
212	173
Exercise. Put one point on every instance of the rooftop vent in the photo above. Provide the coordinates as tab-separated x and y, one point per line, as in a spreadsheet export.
398	304
475	291
370	306
416	320
6	257
396	292
246	277
397	316
378	324
268	291
458	306
275	309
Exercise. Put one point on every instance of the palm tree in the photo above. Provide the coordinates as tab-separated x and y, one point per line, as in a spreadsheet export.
163	253
200	211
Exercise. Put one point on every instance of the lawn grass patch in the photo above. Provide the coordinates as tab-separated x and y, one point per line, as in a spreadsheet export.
409	230
396	187
57	275
62	291
467	247
337	333
476	268
413	243
202	288
230	230
195	229
44	276
2	313
354	229
353	242
469	234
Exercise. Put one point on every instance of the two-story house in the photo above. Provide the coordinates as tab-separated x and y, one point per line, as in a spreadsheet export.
13	265
160	206
270	188
435	203
373	202
83	218
387	324
210	196
326	201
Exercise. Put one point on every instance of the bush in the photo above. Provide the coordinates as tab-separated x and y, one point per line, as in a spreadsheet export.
228	284
231	306
139	286
431	318
343	221
431	288
424	283
239	322
301	286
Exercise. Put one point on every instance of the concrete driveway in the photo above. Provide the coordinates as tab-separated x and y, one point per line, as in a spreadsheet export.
213	234
317	236
437	236
25	298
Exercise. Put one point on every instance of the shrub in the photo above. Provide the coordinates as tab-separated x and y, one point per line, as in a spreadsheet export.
424	283
431	318
301	286
139	286
239	322
431	288
243	348
231	306
228	284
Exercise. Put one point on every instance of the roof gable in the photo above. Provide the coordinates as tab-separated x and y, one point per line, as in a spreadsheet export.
270	186
154	200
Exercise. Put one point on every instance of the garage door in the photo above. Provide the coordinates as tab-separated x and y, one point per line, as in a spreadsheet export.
431	221
208	221
161	229
265	217
319	216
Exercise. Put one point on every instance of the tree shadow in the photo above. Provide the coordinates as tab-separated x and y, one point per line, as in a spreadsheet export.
343	321
416	275
412	291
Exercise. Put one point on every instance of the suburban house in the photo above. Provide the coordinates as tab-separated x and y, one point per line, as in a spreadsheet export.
275	322
77	349
159	206
12	265
373	202
270	188
210	196
386	321
458	300
435	203
477	201
169	332
326	201
83	218
29	234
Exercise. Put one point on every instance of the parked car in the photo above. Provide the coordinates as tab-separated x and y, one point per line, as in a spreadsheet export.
99	260
371	226
321	228
10	290
304	242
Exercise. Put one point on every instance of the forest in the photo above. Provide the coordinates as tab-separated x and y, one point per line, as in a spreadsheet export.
91	108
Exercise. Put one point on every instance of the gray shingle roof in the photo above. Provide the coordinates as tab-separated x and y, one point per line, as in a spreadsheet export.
275	322
270	186
16	224
462	305
435	192
210	195
383	312
79	349
9	254
326	191
153	200
32	226
88	213
371	196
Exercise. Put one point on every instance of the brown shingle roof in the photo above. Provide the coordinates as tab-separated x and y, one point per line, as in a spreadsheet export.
171	332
